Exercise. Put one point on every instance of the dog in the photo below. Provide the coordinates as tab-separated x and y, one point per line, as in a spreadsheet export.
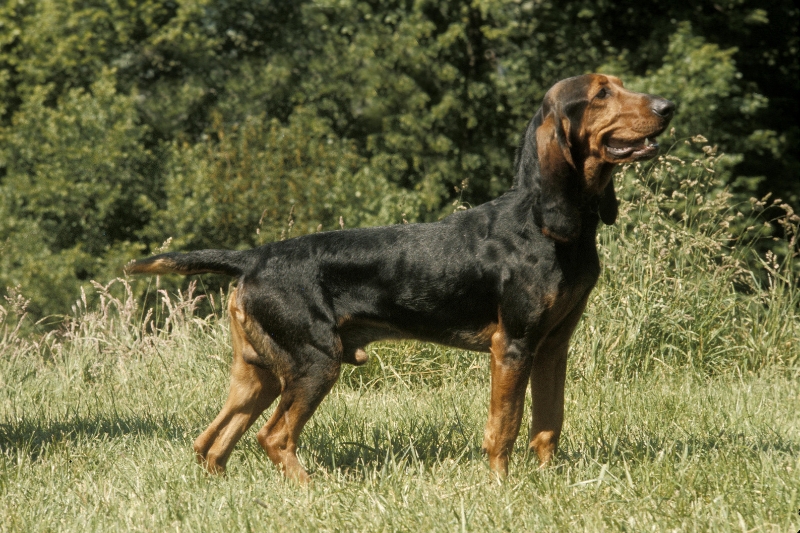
510	277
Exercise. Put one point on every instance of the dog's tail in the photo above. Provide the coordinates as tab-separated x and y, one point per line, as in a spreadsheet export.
228	262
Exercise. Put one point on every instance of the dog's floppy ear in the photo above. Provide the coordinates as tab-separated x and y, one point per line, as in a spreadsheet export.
607	208
559	187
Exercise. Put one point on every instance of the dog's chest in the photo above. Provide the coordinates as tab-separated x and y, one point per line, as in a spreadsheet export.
548	283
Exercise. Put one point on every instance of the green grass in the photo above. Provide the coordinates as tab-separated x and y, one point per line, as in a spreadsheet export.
111	450
681	410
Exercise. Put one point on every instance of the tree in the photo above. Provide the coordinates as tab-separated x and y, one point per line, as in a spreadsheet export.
123	124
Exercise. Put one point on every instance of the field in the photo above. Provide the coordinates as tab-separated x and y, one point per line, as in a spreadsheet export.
682	410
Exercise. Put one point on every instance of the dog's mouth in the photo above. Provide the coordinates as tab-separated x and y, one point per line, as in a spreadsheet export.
641	148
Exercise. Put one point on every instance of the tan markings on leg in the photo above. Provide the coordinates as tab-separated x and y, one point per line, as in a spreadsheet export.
299	400
252	390
547	393
544	443
510	367
547	376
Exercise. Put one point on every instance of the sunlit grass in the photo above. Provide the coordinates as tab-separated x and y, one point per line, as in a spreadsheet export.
672	450
681	410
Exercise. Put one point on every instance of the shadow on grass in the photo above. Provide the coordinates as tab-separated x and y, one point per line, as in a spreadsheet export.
433	444
359	453
34	436
362	453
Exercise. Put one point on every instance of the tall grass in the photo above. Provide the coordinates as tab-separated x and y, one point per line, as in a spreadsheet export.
681	402
692	279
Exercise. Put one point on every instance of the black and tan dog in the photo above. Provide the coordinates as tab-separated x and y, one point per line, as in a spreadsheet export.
510	277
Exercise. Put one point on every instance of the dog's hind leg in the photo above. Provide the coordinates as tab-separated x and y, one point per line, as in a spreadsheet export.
300	398
252	390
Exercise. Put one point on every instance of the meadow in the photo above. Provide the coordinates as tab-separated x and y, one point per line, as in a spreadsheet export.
681	403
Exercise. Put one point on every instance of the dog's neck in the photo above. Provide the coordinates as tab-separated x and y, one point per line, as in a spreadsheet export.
596	174
567	189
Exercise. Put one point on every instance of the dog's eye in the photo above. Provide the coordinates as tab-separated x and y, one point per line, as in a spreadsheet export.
602	93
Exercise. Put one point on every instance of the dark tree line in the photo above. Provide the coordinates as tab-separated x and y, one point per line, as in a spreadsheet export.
123	123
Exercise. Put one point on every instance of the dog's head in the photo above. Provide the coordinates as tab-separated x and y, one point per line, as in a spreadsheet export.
586	126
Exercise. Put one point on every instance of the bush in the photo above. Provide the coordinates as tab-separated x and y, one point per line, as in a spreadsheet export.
75	194
243	188
123	124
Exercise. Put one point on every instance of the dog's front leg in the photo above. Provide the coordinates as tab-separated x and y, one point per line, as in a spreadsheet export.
547	386
511	366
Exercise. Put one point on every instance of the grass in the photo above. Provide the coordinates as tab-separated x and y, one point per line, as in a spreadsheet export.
682	409
671	451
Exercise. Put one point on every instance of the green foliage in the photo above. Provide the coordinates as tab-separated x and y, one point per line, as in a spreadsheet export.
126	123
240	190
75	191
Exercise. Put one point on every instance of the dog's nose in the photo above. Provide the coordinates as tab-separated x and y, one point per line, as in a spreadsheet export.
662	107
